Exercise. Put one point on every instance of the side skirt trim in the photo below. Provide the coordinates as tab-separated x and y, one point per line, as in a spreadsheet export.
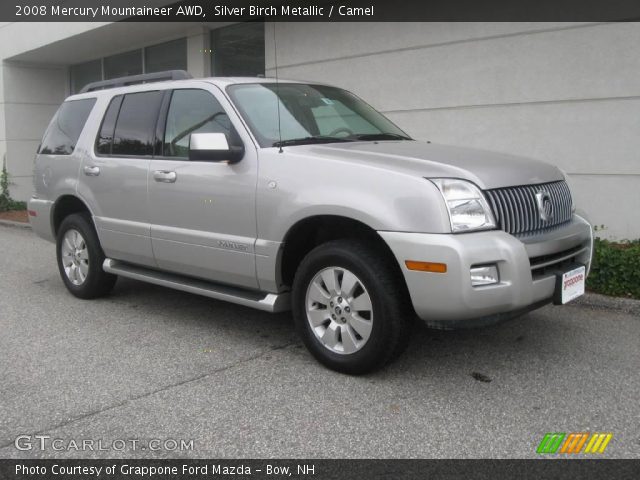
268	302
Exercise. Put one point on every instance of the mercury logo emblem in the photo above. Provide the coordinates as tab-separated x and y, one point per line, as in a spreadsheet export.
545	206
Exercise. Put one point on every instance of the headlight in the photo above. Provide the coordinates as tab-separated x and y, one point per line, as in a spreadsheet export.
468	209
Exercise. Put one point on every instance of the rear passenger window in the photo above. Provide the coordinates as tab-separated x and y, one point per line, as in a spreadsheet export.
65	127
193	111
105	137
135	125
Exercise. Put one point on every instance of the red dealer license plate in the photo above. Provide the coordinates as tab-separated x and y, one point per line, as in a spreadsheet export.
570	285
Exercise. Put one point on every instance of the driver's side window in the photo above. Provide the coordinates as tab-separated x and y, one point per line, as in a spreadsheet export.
192	111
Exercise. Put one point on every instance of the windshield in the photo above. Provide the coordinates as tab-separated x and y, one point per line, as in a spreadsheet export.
309	114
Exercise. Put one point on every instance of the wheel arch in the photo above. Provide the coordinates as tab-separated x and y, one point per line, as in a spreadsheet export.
64	206
312	231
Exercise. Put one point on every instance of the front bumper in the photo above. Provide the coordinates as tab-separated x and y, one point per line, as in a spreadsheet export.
527	270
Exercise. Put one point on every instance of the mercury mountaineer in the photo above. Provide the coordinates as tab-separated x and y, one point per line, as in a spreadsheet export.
281	195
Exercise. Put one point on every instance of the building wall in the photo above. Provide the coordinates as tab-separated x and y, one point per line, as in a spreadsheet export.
31	95
565	93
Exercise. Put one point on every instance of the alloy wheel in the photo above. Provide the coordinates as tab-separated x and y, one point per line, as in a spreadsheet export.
75	257
339	310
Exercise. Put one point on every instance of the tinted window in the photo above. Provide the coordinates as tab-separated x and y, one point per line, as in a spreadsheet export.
166	56
193	111
85	73
123	64
136	124
105	136
238	50
65	127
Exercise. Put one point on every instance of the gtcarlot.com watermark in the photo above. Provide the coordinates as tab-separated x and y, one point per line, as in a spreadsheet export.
46	442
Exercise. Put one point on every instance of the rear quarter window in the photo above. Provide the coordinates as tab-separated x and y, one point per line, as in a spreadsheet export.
135	127
66	126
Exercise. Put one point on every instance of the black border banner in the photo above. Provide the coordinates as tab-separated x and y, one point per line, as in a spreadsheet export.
318	10
319	469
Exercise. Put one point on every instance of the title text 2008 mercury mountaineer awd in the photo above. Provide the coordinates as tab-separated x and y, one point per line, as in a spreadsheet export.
280	195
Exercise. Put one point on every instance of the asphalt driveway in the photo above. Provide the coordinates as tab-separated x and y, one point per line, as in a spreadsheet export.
152	363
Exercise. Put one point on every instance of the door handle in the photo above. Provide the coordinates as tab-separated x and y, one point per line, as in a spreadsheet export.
165	176
91	171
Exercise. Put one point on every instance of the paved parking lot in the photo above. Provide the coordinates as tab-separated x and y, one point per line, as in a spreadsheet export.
151	363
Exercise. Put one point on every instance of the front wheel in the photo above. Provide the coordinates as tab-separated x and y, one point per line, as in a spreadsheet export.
351	307
80	258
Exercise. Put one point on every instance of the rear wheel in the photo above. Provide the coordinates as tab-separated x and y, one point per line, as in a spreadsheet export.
80	258
350	306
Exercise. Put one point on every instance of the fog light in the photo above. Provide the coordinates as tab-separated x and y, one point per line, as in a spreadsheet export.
485	275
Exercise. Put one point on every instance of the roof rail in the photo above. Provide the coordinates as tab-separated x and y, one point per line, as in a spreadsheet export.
135	79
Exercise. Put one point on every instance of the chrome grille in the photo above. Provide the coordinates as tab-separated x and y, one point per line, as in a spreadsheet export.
516	208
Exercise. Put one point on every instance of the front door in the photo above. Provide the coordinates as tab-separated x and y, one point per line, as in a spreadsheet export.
203	221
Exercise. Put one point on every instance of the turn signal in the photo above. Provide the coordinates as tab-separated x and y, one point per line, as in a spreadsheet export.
426	266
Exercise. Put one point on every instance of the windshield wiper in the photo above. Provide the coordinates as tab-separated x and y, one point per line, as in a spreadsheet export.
379	136
311	140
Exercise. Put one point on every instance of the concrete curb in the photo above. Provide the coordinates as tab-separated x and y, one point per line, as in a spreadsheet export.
11	223
596	300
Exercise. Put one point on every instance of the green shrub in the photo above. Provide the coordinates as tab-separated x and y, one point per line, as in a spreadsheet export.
616	268
6	202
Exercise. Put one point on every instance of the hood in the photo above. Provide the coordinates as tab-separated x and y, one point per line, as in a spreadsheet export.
486	169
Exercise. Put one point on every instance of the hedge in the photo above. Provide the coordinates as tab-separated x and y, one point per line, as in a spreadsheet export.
615	269
6	202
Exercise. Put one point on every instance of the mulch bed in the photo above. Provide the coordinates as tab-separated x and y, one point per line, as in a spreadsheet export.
15	216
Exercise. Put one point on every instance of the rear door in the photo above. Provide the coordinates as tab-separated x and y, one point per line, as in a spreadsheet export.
203	221
113	176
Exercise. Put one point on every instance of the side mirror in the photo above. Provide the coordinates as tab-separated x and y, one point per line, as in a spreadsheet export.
213	147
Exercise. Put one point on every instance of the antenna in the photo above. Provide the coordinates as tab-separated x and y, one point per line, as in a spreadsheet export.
275	61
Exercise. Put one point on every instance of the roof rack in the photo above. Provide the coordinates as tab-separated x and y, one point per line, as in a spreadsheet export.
135	79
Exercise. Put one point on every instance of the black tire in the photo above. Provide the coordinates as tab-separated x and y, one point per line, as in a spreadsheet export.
97	282
393	315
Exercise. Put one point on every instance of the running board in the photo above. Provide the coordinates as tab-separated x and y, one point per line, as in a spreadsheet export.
268	302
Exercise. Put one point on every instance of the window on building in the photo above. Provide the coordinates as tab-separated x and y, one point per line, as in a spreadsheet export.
192	111
238	50
136	123
166	56
156	58
65	127
85	73
123	64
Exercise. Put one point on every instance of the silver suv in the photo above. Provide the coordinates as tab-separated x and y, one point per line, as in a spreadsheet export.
287	195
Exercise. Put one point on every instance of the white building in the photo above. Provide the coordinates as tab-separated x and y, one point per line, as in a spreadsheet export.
568	93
